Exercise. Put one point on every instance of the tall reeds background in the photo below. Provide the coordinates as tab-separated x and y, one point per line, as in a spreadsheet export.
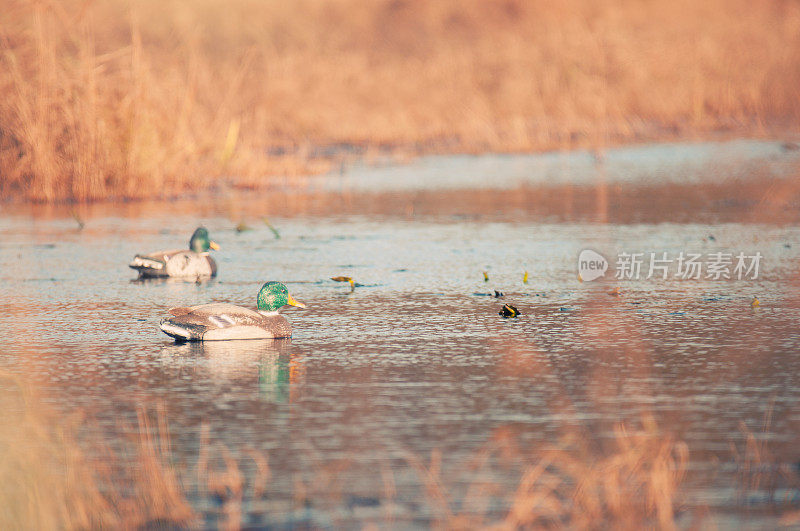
122	99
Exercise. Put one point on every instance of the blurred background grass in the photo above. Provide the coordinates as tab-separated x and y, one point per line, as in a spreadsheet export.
119	99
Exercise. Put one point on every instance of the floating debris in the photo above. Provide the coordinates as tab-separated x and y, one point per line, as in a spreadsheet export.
498	294
345	279
508	311
755	303
712	238
787	245
790	146
77	219
525	278
272	228
616	292
241	227
485	276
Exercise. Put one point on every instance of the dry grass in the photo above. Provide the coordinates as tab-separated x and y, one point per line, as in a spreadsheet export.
121	99
760	473
632	484
56	479
51	480
57	474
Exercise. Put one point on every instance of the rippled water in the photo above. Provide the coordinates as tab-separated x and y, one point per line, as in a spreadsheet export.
416	358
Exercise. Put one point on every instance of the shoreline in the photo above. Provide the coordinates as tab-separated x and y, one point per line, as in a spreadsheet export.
751	179
342	156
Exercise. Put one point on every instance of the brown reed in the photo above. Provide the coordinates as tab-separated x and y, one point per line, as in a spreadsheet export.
57	478
123	99
54	480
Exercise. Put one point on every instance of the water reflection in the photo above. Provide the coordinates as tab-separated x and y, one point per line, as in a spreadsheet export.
172	280
267	363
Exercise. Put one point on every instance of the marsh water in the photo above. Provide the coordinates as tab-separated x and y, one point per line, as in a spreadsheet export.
415	361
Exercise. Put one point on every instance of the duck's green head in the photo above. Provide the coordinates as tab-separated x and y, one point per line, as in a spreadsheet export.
200	242
274	295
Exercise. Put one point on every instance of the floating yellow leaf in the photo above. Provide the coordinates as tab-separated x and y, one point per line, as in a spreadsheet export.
345	279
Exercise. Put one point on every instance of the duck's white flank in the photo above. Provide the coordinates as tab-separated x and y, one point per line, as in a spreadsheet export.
237	332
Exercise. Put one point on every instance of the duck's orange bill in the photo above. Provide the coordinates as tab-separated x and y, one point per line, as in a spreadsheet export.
214	245
294	302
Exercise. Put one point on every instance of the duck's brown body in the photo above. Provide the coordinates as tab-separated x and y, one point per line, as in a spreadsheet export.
223	321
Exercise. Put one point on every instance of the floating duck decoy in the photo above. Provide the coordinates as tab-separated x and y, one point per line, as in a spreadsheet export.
191	263
508	311
223	321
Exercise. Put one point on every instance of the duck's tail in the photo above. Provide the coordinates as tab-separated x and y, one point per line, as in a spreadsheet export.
148	266
182	331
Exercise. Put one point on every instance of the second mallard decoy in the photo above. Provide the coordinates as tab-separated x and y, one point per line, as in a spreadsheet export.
191	263
220	321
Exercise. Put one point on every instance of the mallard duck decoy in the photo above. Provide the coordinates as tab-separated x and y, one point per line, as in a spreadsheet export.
191	263
220	321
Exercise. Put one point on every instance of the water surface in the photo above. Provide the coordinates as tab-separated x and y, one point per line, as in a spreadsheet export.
416	359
